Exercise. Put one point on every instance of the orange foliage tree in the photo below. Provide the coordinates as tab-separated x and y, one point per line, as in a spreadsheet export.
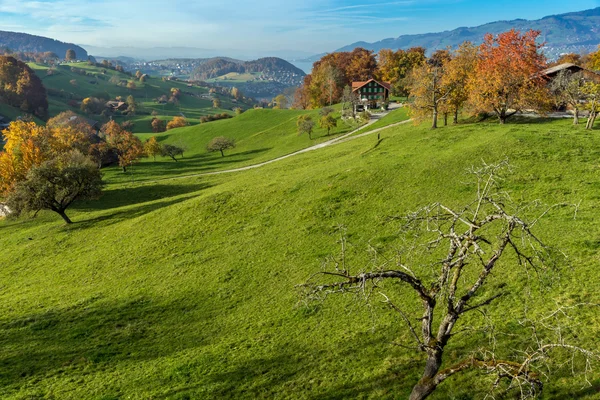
127	146
506	78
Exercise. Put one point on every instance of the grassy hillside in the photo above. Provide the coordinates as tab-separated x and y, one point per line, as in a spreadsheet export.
62	90
185	289
260	135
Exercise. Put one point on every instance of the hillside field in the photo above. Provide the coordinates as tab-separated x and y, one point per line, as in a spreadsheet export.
187	288
191	104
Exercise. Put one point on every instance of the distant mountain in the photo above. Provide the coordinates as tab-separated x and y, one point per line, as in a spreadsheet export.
24	42
216	67
564	33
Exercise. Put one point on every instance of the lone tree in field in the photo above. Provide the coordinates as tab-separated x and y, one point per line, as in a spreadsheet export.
177	122
220	143
306	125
55	185
70	55
328	122
125	144
152	148
506	78
169	150
455	262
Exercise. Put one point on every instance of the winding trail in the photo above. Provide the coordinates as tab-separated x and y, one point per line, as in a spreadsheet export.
341	139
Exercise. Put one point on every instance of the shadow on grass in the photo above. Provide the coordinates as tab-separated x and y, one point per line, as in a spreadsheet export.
125	196
96	335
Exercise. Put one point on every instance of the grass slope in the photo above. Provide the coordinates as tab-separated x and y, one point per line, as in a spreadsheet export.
185	289
191	105
260	135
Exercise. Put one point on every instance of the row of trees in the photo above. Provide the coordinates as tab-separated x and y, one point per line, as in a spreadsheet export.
502	76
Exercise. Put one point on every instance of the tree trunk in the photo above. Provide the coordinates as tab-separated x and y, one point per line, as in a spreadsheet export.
576	116
455	121
426	384
222	154
502	117
445	119
64	216
124	168
434	119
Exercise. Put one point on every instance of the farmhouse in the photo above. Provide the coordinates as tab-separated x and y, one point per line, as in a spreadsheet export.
553	72
372	94
114	105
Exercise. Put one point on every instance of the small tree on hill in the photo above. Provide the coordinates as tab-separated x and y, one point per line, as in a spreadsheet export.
177	122
158	125
305	125
128	147
131	105
70	55
169	150
328	122
152	148
220	143
55	185
280	102
216	103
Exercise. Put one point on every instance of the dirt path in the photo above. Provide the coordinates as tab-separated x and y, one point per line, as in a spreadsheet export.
342	139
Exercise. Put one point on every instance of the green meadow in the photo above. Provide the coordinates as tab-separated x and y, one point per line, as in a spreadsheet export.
64	84
187	288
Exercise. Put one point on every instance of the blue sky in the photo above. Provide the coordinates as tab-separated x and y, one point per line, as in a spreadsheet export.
270	25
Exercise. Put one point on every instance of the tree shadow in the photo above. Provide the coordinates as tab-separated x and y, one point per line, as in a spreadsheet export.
125	196
97	334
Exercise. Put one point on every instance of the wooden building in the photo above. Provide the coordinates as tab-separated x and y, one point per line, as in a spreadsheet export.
372	94
551	73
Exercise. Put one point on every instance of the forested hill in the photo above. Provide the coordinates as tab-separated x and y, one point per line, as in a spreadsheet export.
565	33
221	66
24	42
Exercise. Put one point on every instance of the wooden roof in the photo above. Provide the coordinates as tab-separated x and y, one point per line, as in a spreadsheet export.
358	85
553	71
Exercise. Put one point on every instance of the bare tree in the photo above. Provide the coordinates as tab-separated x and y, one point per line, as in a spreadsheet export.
447	261
567	87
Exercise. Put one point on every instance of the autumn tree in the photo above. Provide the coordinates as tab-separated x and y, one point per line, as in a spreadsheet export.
55	184
302	94
428	91
506	78
216	103
395	67
567	88
125	144
220	143
177	122
449	265
152	148
131	85
70	55
457	72
305	125
236	93
158	125
92	105
280	101
131	105
69	131
21	88
328	122
27	145
593	60
592	93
